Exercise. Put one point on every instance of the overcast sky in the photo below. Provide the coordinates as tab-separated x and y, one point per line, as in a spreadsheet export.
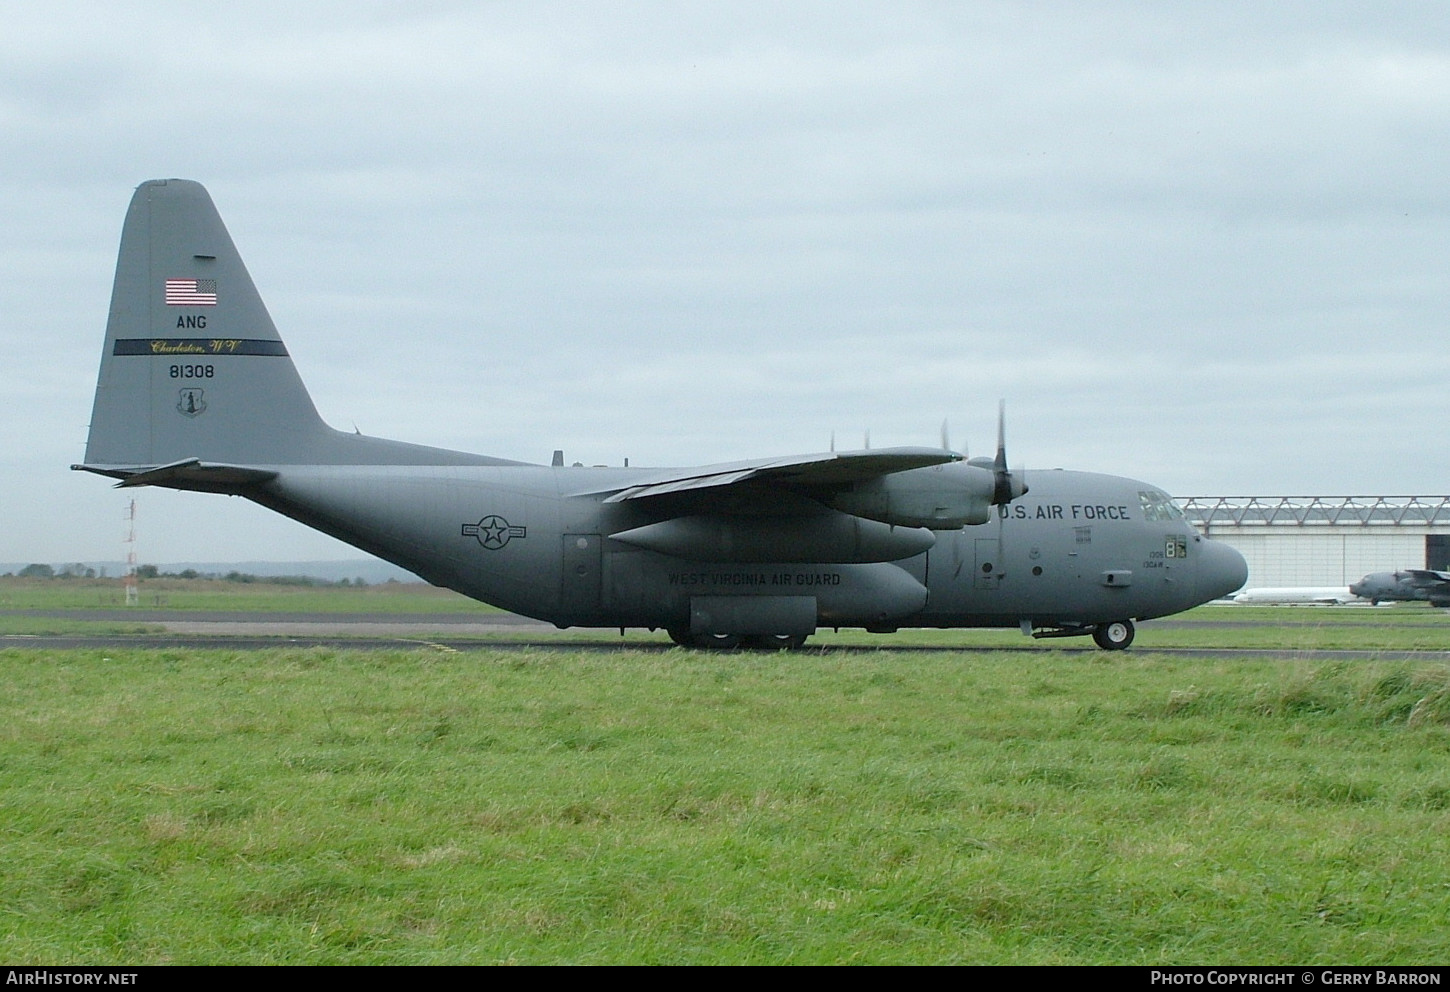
1201	244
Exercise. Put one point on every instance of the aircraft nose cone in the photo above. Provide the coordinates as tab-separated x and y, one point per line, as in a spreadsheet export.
1221	570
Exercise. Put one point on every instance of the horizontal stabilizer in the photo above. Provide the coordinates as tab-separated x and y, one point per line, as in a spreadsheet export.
189	473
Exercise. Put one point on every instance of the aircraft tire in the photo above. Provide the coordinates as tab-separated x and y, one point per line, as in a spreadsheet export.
775	642
1114	635
716	642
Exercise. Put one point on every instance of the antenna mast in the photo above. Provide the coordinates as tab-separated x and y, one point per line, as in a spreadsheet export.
129	580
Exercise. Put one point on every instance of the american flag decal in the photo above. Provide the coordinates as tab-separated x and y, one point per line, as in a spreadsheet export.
191	292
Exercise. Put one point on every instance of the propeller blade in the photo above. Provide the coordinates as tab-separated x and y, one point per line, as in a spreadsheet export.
1000	464
1008	487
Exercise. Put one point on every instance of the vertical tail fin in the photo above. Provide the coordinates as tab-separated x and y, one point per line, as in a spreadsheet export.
196	388
193	366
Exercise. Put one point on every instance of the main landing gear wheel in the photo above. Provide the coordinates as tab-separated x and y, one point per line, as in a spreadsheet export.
719	642
774	642
1114	636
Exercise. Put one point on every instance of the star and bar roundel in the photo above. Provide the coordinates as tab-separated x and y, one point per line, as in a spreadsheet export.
493	531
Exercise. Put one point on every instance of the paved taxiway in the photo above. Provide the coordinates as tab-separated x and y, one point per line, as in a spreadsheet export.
246	631
239	622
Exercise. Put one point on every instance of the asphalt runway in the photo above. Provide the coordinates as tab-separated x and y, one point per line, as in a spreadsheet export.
489	631
242	630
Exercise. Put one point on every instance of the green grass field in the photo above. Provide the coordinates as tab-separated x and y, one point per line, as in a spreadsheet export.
431	807
532	807
203	594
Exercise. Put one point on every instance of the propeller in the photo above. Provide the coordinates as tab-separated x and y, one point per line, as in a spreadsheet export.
1008	486
946	441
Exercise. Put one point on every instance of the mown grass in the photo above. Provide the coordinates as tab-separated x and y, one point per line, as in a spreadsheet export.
418	807
65	626
1407	628
214	594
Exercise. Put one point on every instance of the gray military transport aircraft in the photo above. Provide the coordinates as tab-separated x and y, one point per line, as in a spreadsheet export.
1407	584
197	392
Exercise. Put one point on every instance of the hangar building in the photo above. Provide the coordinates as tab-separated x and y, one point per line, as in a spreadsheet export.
1326	540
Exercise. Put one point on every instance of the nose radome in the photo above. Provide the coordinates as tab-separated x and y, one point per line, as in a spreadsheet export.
1222	570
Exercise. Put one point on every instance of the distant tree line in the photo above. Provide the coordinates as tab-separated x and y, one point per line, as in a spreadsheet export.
37	571
79	571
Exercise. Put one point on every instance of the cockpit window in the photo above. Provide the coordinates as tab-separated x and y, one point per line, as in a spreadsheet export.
1158	505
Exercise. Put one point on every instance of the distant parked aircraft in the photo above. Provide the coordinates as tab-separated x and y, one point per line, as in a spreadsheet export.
1321	595
1405	584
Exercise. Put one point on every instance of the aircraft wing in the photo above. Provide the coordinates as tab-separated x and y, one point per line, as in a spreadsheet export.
1425	576
830	471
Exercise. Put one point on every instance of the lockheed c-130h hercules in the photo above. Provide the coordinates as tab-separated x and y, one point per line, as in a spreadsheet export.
197	392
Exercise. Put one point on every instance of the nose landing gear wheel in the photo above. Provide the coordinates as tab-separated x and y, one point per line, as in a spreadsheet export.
1114	636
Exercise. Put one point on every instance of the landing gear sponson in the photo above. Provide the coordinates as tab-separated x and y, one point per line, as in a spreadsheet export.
726	642
1114	635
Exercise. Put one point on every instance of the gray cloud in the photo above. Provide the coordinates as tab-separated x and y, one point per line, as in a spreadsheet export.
1197	243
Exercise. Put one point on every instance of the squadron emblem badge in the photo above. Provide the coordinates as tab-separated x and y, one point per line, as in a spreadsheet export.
191	403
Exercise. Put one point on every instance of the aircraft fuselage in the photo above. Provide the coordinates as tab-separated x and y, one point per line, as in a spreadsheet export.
1077	549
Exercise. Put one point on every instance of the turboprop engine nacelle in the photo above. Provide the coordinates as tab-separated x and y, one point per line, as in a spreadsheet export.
941	497
820	537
